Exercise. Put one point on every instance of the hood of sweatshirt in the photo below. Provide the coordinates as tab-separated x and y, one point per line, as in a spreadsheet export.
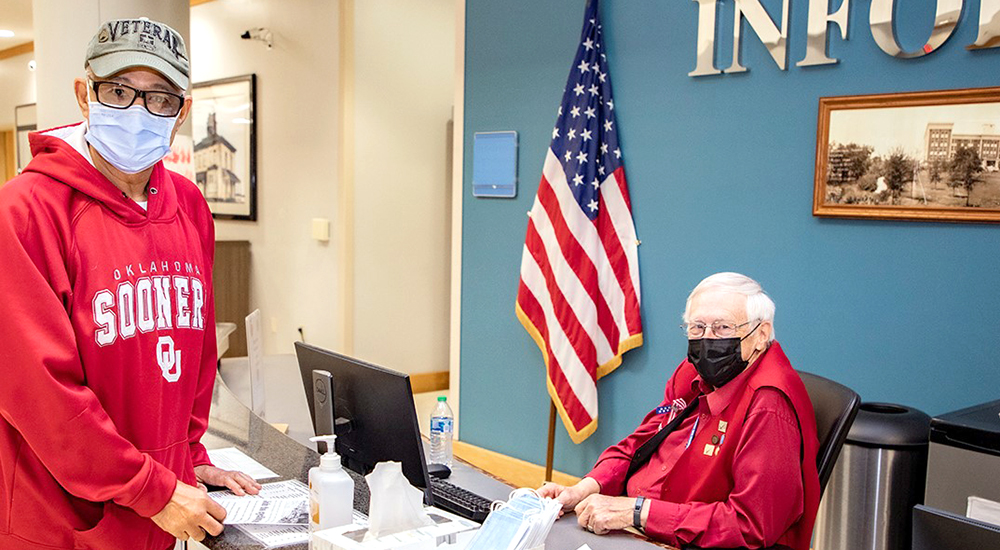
55	156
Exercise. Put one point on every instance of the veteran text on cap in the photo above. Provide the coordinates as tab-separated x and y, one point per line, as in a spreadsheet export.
127	43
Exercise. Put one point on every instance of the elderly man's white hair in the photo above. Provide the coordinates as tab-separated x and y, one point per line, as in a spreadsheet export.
760	307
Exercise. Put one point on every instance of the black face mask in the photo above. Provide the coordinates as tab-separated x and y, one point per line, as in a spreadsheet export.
717	360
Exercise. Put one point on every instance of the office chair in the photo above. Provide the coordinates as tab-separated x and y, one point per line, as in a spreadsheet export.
835	406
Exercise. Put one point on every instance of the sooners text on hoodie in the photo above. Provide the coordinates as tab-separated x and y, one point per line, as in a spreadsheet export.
107	350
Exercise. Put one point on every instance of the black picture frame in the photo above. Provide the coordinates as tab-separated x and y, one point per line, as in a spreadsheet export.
224	130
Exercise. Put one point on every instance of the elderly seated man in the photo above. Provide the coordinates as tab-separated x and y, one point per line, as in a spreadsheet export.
728	459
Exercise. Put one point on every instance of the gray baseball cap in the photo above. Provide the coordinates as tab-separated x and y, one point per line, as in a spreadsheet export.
124	43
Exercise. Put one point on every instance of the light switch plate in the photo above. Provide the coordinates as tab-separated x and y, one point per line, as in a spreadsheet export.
321	229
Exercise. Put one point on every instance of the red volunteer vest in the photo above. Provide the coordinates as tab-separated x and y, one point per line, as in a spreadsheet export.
698	477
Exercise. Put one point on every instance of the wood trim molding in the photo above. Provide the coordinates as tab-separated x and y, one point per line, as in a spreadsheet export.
429	381
510	470
9	156
15	51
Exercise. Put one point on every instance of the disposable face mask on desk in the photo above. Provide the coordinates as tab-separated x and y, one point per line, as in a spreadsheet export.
521	523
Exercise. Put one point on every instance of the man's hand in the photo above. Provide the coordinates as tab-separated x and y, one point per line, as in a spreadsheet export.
237	482
570	496
190	514
601	514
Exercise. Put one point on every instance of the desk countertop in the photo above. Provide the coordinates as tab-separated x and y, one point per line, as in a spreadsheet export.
232	424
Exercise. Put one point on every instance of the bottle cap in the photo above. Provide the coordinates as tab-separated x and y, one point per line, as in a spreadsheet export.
328	439
442	398
330	458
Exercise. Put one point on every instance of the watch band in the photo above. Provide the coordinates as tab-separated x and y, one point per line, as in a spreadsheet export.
637	513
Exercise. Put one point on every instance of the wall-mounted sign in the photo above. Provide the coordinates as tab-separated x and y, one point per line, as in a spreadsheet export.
494	164
880	20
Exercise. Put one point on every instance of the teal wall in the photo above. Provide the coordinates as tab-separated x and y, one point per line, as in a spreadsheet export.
720	170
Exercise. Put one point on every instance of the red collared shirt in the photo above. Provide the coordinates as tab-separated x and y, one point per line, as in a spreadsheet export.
767	496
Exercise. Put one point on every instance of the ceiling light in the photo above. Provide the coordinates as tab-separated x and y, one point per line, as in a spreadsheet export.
4	33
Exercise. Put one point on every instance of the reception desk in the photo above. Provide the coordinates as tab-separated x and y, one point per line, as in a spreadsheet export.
232	424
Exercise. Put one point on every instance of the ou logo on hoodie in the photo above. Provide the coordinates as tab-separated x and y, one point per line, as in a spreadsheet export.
169	360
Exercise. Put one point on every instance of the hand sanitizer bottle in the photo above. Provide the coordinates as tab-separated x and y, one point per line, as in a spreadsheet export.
331	490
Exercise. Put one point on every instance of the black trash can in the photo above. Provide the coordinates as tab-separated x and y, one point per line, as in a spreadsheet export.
878	479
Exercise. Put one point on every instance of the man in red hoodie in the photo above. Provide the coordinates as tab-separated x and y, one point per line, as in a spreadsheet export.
728	459
107	337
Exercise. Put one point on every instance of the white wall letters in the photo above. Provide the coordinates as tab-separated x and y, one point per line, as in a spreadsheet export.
881	22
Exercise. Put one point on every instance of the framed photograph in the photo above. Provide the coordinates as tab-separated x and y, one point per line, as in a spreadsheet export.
24	123
225	145
928	156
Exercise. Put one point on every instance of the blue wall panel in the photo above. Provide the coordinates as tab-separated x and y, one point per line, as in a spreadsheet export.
720	170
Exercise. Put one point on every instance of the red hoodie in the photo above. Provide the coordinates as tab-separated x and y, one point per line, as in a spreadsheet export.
107	351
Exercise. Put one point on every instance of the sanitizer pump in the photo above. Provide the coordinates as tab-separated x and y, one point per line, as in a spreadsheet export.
331	490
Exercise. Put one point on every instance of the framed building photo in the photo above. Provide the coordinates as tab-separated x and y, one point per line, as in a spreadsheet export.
931	156
225	145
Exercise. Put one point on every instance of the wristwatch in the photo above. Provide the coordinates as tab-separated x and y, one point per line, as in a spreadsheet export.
637	513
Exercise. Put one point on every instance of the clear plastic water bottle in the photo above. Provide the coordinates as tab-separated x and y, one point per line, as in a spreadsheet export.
442	427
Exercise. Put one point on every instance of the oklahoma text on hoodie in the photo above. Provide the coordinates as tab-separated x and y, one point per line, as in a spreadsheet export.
107	351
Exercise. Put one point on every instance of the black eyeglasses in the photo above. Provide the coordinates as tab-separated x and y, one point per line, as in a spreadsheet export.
721	329
120	96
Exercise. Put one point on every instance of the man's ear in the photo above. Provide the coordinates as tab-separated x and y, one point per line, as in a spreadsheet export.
182	116
765	336
81	93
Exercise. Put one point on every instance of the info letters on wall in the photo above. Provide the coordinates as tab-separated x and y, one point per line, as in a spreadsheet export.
774	35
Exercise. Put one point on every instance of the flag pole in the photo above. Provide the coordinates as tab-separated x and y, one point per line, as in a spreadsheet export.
552	440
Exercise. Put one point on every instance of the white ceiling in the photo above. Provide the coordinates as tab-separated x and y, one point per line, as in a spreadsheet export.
16	16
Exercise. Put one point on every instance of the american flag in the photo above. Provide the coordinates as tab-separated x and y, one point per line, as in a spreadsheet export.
579	291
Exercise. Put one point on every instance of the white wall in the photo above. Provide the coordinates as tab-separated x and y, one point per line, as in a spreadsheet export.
18	87
404	88
61	38
403	92
294	278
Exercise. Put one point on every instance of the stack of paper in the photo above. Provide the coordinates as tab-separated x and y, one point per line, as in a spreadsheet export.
231	458
277	516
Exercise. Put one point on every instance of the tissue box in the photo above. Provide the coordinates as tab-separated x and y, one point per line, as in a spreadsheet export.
449	532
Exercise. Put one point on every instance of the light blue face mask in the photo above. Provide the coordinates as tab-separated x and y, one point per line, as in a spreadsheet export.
503	529
130	139
523	522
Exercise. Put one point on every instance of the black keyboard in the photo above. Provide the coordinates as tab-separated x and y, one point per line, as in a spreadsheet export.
459	501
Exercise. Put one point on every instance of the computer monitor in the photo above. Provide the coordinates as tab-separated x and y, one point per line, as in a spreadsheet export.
377	404
935	529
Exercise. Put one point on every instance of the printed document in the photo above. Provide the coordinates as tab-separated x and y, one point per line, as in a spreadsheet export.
279	503
231	458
